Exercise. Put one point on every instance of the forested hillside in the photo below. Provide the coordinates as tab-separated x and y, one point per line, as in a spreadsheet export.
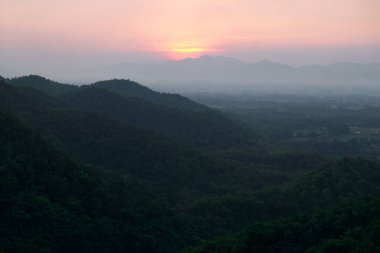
117	167
350	227
135	105
201	127
334	183
128	88
50	203
43	84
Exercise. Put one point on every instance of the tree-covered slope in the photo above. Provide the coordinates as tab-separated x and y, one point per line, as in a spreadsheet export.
352	227
43	84
172	170
201	128
164	172
173	115
128	88
50	203
102	141
336	182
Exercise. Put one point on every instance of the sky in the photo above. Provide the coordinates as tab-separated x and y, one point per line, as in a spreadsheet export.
95	32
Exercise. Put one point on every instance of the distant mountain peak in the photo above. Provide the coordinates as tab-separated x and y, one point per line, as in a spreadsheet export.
271	65
43	84
34	77
123	85
266	61
206	56
218	61
269	62
117	81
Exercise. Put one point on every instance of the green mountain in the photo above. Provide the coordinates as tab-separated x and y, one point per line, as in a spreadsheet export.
50	203
350	227
334	183
163	166
155	170
128	89
102	141
200	128
172	115
43	84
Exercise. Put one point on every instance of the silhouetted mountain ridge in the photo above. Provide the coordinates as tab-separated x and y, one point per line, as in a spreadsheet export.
128	88
172	115
42	83
220	73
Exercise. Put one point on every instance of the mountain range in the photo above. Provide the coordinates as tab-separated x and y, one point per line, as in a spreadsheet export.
228	74
219	73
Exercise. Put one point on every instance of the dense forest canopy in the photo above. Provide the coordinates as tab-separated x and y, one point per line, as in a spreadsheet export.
117	167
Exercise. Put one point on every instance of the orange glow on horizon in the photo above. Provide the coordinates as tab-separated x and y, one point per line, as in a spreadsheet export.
188	49
182	29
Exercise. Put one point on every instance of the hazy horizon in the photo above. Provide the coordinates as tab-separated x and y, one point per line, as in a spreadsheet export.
226	74
46	35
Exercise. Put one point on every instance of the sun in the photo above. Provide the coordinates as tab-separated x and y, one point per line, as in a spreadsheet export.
186	49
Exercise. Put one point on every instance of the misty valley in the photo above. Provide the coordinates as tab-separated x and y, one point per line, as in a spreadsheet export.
115	166
334	126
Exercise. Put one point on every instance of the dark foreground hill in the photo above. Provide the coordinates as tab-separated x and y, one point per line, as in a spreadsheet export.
196	127
350	227
41	83
50	203
101	141
174	172
334	183
128	89
135	105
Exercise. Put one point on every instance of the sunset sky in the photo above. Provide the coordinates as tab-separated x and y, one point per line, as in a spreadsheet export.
107	31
